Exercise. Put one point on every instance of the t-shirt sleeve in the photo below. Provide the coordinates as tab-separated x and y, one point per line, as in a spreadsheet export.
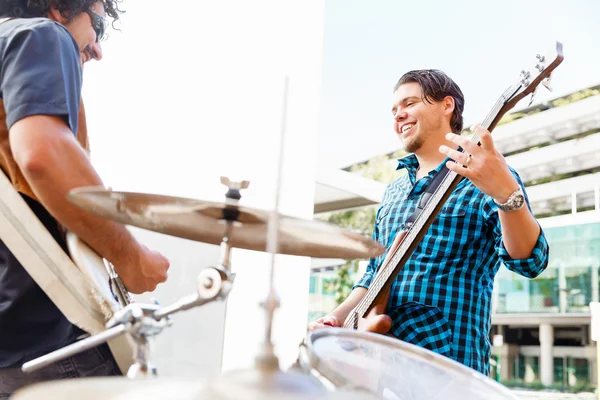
41	74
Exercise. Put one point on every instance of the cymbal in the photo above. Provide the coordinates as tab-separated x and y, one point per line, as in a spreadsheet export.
205	221
283	387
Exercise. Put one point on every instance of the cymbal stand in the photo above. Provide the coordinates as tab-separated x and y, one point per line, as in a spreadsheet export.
267	360
144	321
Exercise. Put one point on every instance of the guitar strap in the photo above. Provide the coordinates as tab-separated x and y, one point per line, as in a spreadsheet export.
429	191
46	262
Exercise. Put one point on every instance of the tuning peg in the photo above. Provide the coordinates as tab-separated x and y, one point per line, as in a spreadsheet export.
546	83
532	97
541	63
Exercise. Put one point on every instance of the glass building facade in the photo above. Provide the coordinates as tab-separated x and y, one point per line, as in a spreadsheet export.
568	285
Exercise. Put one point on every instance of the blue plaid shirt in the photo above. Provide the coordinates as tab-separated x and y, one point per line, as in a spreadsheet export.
441	299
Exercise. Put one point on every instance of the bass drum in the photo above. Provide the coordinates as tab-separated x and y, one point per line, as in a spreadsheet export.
392	369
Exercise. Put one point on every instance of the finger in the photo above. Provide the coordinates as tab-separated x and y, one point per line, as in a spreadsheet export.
313	326
459	169
330	320
463	142
485	137
454	154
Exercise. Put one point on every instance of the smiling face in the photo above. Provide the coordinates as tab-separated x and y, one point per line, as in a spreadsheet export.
83	27
416	120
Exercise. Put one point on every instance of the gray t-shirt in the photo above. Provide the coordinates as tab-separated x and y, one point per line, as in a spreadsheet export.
39	75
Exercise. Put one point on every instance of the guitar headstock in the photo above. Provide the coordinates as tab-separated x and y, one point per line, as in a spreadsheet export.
528	83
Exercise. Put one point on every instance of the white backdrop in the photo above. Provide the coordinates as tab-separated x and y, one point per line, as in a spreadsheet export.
194	91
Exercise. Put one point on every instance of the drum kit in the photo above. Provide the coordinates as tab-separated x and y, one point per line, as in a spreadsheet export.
333	363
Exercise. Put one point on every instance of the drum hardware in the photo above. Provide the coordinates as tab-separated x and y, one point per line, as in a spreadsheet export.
142	322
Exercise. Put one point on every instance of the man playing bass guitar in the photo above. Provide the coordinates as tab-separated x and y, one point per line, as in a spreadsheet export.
441	298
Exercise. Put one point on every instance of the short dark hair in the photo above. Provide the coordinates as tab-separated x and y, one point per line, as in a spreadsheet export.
67	8
436	85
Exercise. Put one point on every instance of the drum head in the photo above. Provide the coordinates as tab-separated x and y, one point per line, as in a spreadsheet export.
244	385
394	369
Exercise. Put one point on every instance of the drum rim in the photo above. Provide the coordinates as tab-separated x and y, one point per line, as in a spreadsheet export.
420	352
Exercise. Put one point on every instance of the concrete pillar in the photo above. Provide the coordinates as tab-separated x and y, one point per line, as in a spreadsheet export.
546	360
507	371
574	202
529	372
562	289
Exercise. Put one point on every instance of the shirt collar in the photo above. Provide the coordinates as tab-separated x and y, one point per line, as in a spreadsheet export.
411	164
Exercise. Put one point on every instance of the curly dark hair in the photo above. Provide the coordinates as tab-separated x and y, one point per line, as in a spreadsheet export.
436	85
67	8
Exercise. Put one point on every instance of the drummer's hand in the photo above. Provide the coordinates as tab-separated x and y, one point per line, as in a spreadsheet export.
327	321
143	271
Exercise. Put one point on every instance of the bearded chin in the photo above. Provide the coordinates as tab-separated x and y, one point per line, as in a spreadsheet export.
413	145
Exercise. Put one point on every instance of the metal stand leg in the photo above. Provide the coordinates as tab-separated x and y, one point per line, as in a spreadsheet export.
142	367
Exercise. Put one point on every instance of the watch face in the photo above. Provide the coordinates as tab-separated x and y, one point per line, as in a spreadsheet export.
518	201
515	202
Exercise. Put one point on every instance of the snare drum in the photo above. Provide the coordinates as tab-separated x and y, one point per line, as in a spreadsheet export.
392	369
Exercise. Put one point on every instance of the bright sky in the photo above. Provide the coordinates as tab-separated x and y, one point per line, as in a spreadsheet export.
481	45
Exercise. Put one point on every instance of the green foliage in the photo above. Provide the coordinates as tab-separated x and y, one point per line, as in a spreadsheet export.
343	283
359	220
580	95
537	385
546	286
381	168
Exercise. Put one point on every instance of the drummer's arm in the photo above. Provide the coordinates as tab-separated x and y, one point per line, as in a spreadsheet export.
53	163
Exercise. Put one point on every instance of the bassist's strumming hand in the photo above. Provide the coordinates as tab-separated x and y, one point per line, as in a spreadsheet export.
377	321
327	321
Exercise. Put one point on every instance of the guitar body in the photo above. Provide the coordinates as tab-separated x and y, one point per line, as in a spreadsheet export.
110	296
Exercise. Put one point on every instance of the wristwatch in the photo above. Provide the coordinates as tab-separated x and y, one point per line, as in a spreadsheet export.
515	201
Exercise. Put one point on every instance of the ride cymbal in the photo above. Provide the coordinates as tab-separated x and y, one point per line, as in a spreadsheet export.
206	221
